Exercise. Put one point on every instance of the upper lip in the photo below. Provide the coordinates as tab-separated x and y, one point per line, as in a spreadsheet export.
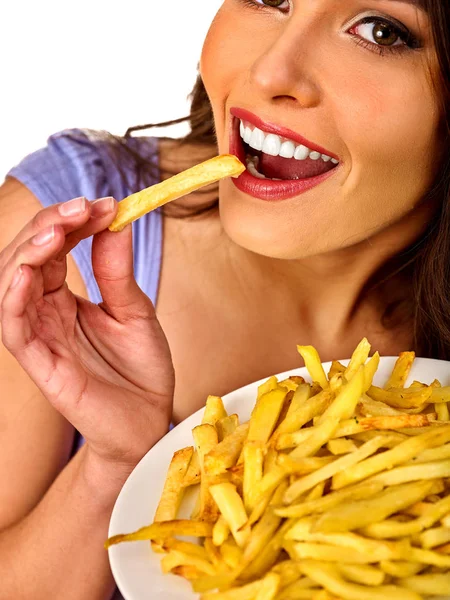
246	115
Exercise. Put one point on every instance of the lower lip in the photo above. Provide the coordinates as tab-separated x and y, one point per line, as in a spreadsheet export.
267	189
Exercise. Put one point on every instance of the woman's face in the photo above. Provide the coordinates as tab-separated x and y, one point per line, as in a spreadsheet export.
335	82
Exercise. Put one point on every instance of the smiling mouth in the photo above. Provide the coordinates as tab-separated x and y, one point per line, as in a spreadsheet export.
269	155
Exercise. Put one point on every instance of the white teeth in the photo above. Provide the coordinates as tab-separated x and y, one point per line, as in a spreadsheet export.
275	145
287	149
257	139
301	152
272	145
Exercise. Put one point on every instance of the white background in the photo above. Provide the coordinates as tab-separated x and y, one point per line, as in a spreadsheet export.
94	63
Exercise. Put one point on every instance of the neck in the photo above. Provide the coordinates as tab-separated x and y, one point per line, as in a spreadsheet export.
328	293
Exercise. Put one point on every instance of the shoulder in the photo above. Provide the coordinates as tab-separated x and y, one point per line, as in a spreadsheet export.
93	164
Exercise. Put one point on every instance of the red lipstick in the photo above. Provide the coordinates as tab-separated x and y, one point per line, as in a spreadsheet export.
269	189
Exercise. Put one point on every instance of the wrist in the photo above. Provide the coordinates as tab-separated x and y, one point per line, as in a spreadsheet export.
103	478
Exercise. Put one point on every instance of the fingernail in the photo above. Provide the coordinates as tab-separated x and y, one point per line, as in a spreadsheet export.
102	206
72	207
44	237
16	279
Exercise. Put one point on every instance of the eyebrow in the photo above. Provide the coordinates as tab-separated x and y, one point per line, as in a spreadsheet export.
416	3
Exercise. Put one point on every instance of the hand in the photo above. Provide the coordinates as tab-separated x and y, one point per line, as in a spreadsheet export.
106	368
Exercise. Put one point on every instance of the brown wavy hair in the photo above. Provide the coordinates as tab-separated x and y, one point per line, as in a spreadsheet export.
424	267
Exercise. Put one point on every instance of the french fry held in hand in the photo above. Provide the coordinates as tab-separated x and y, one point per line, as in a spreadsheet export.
334	490
206	173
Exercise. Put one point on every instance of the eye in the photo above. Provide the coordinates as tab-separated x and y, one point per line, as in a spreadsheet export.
383	33
283	4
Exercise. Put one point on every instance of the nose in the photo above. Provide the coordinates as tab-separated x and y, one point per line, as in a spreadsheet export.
284	72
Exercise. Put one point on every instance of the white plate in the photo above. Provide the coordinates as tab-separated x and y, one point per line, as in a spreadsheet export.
135	567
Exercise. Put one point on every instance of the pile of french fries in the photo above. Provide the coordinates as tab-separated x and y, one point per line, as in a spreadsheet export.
334	489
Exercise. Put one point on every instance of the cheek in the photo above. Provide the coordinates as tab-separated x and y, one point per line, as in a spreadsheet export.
389	122
225	59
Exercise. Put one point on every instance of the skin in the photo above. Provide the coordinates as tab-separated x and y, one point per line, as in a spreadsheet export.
238	284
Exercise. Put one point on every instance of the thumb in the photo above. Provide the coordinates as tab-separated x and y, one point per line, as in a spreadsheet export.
112	262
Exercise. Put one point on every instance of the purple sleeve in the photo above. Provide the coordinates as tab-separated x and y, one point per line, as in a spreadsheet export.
80	163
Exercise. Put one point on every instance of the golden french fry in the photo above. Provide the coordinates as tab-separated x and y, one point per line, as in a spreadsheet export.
214	410
206	173
336	466
288	571
401	569
175	558
246	592
440	394
341	446
360	513
401	370
343	406
185	547
330	578
358	358
336	368
193	473
431	515
232	508
313	365
269	588
187	572
207	583
214	556
305	410
205	439
402	398
226	426
357	492
265	415
293	419
163	530
253	473
365	574
374	408
231	553
303	550
264	530
442	411
221	531
434	584
429	470
390	458
173	490
225	454
434	537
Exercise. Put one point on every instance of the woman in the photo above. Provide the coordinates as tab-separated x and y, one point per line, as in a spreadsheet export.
352	242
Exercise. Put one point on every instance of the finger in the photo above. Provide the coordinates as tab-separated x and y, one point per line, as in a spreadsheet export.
70	215
18	335
112	261
34	252
103	212
78	218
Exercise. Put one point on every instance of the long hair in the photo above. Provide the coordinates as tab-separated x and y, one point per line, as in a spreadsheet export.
425	266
